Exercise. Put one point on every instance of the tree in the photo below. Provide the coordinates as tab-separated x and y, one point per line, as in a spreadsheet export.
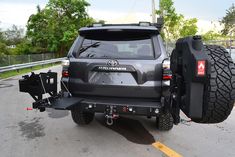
101	22
14	35
3	49
1	36
189	27
229	20
213	35
3	46
175	25
37	28
56	26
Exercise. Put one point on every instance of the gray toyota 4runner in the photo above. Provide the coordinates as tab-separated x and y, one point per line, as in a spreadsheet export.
124	69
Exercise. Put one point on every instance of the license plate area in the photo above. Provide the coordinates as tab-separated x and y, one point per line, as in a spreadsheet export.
111	78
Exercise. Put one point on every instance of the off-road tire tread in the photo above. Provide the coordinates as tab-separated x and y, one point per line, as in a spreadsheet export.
164	121
82	118
220	91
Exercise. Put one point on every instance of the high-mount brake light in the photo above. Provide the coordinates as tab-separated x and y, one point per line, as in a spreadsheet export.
145	24
166	68
97	25
114	30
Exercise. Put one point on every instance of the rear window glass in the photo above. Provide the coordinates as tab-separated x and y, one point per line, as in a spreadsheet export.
138	48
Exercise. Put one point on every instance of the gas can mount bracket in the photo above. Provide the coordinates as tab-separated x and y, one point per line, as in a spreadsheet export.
190	67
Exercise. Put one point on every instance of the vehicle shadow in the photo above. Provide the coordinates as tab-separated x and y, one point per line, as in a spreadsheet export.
133	130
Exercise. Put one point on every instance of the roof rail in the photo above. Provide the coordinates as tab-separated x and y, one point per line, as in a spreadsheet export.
158	25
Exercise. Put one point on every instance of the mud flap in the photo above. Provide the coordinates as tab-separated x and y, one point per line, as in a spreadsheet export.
190	67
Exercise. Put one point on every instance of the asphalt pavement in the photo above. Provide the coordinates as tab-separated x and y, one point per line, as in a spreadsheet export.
53	133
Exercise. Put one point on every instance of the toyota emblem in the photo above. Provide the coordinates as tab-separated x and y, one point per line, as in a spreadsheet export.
112	63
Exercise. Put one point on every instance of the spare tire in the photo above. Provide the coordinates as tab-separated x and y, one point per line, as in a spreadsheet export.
220	90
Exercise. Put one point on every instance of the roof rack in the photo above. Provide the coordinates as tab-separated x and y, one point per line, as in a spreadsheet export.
158	25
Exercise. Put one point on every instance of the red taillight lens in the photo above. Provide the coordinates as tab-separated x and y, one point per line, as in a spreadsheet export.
65	66
167	77
65	73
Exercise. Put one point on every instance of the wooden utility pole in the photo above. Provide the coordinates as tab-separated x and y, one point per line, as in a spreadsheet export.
153	12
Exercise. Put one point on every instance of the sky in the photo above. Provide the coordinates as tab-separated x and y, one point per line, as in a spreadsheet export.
209	12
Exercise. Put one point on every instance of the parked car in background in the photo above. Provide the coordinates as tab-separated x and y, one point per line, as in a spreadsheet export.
232	54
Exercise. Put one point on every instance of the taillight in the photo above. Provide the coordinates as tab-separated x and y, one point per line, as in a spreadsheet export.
166	69
65	67
65	73
65	63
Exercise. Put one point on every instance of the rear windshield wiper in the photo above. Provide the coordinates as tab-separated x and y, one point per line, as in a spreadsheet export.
83	49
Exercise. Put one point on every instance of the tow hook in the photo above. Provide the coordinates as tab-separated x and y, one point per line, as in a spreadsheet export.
109	120
110	116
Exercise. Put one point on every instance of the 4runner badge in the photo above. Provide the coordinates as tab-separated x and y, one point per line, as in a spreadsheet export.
112	63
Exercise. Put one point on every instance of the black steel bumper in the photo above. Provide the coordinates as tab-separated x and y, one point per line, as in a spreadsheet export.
102	105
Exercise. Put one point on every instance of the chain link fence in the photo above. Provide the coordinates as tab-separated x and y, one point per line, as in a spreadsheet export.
6	60
228	44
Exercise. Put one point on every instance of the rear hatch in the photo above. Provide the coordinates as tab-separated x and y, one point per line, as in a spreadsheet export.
117	63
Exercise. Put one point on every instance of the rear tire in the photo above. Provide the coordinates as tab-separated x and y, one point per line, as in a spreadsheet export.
165	121
81	117
220	91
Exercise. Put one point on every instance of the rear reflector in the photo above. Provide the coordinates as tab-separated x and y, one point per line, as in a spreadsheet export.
201	68
65	74
28	109
167	77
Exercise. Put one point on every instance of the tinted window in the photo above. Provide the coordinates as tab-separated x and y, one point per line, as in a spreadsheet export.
120	49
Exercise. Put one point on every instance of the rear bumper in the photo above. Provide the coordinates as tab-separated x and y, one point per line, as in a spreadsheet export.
148	107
